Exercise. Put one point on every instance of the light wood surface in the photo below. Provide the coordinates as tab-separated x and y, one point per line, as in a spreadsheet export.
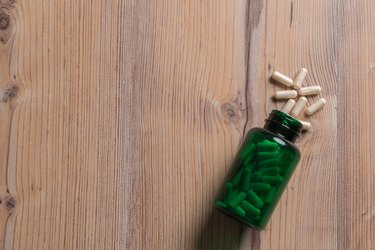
119	120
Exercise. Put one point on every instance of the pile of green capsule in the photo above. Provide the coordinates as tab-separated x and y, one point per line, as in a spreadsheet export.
255	185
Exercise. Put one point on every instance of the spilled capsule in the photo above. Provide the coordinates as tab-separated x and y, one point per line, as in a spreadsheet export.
316	106
281	78
305	125
312	90
299	78
288	106
299	106
285	94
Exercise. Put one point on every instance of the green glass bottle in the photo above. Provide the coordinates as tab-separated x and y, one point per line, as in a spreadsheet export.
261	170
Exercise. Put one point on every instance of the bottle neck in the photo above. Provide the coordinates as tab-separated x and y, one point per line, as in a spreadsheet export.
283	125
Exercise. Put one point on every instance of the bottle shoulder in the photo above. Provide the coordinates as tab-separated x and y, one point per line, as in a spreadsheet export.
265	134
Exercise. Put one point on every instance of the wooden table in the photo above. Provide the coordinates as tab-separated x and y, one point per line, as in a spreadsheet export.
119	120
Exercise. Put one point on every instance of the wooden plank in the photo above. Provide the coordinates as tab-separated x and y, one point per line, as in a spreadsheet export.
119	120
356	132
300	34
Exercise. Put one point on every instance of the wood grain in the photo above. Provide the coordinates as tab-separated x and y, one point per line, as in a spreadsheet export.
119	120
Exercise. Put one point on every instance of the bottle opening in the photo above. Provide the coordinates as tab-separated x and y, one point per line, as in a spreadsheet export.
283	125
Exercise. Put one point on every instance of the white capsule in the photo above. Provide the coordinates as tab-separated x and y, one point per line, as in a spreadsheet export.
299	106
316	106
288	106
305	125
285	94
299	78
312	90
282	78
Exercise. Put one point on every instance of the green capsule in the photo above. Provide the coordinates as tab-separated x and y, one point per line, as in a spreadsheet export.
272	179
257	218
239	211
249	160
268	163
248	150
250	209
229	192
237	178
257	176
254	199
267	155
270	196
245	180
260	186
270	171
236	199
266	146
221	204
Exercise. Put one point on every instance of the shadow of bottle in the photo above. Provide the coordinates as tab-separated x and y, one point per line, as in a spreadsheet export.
223	233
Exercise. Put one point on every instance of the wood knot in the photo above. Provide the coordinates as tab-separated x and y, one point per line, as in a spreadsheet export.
231	112
10	203
7	2
4	21
6	25
10	92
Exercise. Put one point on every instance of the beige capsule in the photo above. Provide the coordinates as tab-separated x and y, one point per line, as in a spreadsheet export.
299	78
285	94
288	106
299	106
305	125
312	90
282	78
316	106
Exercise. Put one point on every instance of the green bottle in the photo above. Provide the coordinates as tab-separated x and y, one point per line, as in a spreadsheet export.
261	171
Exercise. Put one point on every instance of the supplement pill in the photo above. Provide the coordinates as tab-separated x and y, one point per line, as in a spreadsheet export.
260	186
221	204
288	106
240	211
281	78
229	192
299	78
299	106
267	155
270	171
285	94
266	146
316	106
268	163
245	180
305	125
256	176
237	199
272	179
312	90
254	198
270	196
248	150
250	159
236	179
250	209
